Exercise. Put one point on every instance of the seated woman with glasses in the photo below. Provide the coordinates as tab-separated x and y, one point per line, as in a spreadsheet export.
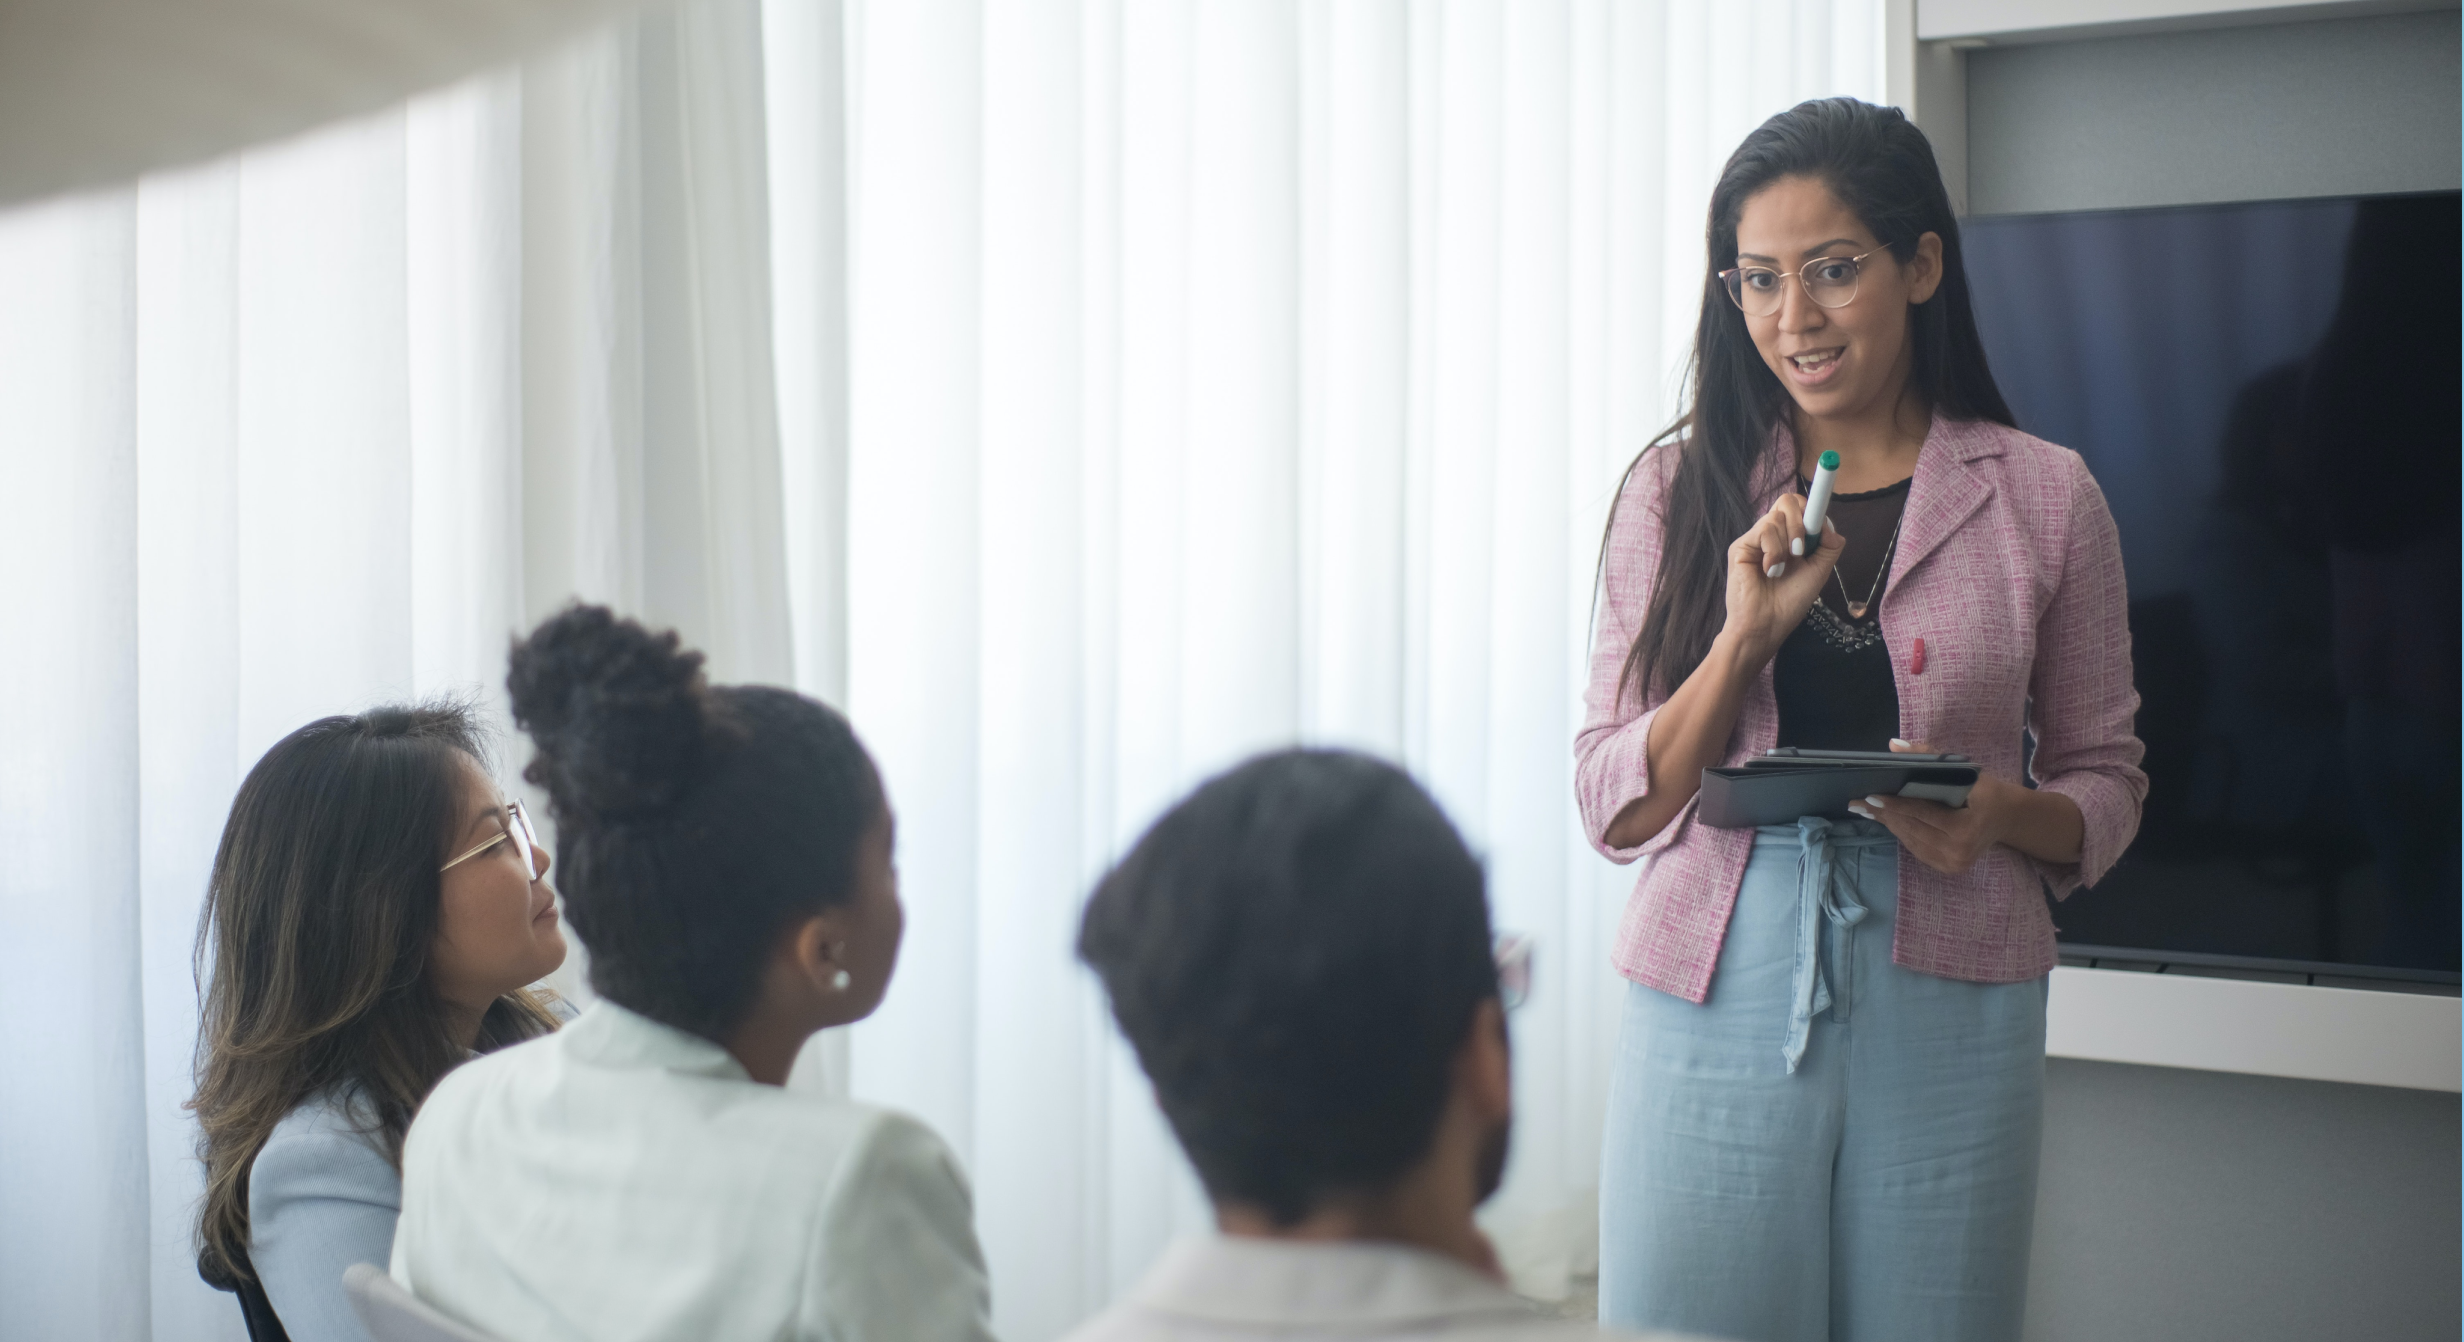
647	1173
375	913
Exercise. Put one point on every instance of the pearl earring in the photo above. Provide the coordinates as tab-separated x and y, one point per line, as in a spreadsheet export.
840	980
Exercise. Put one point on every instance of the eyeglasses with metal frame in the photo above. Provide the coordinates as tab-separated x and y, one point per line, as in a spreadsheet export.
517	830
1831	281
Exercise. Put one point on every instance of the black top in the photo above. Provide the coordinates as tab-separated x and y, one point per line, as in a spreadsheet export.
1833	675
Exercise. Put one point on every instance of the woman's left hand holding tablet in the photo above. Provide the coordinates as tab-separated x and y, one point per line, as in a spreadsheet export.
1944	838
2039	822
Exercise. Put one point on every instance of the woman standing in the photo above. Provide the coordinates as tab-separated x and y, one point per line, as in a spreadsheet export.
375	912
1828	1095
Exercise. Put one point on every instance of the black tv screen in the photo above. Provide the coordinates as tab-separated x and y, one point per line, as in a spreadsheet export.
2268	394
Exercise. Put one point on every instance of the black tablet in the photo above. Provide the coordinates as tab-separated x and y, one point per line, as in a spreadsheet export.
1777	787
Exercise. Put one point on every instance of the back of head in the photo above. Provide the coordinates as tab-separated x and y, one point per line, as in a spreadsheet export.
1297	952
693	822
320	916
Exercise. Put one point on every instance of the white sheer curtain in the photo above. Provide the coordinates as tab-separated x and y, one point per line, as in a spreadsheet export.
1224	374
1083	392
308	429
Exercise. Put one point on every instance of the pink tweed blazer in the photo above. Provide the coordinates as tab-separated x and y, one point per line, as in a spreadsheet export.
2010	570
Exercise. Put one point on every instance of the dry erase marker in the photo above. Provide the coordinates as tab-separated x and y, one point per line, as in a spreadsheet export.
1817	503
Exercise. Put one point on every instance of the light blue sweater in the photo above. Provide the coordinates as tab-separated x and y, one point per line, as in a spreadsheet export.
321	1196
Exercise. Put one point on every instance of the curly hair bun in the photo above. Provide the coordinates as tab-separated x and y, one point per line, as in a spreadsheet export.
618	713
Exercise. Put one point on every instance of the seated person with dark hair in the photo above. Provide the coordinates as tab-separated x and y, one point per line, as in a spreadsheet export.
645	1174
1300	954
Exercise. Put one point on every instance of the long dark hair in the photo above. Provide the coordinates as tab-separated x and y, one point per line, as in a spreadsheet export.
1879	165
318	921
693	822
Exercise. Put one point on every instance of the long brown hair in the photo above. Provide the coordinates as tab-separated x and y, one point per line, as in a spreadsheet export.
318	922
1882	168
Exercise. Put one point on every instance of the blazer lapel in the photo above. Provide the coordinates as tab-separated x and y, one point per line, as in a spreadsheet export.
1945	491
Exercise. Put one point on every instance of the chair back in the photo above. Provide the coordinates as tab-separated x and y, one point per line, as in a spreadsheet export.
392	1314
258	1312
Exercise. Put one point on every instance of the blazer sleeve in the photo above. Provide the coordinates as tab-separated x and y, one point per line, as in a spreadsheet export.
898	1259
2082	704
320	1198
1612	761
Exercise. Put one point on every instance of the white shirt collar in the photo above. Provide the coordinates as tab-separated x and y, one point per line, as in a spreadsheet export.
1245	1280
608	1035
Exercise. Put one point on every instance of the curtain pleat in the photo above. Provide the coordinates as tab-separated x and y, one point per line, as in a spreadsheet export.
75	1187
914	524
187	647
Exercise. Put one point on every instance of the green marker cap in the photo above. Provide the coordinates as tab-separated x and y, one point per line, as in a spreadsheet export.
1829	461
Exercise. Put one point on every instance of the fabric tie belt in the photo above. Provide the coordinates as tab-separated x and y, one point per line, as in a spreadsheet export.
1824	896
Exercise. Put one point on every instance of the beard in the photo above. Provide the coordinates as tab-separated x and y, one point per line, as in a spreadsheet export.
1492	1170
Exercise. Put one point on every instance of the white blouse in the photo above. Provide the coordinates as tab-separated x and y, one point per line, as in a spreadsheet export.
623	1181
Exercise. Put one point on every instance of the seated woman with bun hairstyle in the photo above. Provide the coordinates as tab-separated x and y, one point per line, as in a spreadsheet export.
645	1173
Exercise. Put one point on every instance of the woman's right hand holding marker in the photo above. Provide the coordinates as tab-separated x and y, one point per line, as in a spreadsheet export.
1691	729
1770	590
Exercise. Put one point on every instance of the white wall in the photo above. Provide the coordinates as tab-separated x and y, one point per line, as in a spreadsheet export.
2328	108
2183	1206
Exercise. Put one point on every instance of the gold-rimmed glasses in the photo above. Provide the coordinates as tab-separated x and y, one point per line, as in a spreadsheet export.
1830	281
516	831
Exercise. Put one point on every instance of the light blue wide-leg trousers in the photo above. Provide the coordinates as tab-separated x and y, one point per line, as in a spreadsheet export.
1830	1147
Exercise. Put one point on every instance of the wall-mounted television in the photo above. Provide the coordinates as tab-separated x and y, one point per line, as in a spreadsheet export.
2268	394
